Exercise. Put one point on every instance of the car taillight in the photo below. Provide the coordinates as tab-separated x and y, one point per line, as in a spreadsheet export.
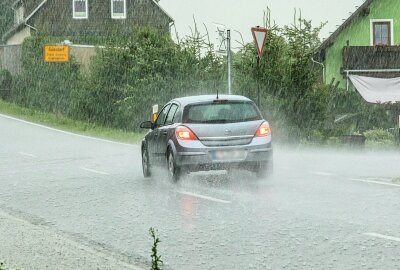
264	130
184	133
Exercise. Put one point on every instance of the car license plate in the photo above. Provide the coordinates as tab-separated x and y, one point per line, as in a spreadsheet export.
229	155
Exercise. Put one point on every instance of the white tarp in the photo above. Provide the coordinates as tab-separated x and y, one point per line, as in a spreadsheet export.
377	90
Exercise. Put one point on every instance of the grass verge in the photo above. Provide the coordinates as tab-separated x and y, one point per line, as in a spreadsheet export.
67	124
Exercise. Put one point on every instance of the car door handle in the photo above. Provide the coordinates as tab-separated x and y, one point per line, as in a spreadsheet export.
164	133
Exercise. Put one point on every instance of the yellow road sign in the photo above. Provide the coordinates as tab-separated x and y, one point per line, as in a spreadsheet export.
56	54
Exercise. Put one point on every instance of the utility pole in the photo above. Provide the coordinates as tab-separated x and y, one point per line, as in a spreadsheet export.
258	81
229	56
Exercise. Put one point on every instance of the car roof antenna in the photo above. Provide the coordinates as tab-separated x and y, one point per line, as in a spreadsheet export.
217	94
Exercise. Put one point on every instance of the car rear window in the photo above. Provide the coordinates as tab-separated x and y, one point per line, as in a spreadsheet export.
221	112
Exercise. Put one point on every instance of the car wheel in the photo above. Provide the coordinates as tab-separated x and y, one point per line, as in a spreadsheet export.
174	172
146	163
264	169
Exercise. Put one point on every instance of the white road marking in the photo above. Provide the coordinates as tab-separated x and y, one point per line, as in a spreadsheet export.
27	154
322	173
373	182
66	132
94	171
382	236
203	197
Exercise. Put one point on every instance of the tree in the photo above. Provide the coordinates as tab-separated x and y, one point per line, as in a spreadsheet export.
292	96
6	17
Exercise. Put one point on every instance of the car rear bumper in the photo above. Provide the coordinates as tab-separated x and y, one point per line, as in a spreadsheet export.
207	158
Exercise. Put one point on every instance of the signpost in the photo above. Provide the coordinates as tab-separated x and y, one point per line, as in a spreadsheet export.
56	54
223	47
260	35
229	55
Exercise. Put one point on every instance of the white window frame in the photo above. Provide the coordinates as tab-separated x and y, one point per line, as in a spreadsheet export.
75	15
118	15
378	21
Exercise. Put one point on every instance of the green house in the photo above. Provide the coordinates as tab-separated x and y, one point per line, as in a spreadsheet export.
83	18
366	44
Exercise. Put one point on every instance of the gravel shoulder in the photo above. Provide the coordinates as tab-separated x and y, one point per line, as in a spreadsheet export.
25	245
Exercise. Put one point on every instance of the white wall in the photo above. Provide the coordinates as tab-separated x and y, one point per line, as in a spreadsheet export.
19	36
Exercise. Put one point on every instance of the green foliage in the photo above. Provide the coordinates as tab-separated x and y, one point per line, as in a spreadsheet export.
6	17
2	266
147	69
5	84
156	261
291	97
46	86
353	114
333	141
313	137
66	123
379	138
124	80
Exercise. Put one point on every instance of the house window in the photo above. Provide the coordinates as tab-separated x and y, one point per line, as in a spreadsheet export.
381	32
19	14
80	9
118	9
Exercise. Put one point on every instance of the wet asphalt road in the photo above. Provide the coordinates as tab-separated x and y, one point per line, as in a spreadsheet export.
322	210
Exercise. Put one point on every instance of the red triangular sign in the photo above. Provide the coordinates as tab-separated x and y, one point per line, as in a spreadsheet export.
260	36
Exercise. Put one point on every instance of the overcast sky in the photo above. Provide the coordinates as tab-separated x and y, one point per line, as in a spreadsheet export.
241	15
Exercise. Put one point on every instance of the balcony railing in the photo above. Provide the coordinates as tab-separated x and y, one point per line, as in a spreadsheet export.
371	57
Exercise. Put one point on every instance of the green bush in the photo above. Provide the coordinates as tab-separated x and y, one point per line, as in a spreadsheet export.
354	114
148	68
291	96
45	86
379	138
313	137
5	84
333	141
123	81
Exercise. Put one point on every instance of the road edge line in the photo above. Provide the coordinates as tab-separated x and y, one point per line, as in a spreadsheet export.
374	182
382	236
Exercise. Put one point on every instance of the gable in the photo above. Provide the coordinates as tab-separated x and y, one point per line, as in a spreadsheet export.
31	5
360	22
350	48
55	17
362	11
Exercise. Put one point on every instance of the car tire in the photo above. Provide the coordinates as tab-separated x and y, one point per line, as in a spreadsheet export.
264	169
146	163
174	172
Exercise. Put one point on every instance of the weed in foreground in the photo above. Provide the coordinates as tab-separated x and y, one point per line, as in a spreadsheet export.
156	261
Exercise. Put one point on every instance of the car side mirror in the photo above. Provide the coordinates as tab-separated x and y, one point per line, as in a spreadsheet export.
147	125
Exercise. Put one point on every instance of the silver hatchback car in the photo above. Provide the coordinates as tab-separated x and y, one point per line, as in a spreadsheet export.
202	133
